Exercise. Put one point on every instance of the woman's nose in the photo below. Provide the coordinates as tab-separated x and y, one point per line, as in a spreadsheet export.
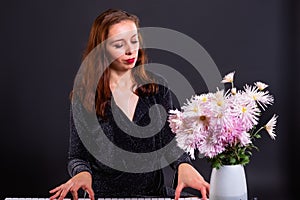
128	52
129	49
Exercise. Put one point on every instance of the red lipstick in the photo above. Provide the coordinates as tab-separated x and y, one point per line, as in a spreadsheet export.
130	61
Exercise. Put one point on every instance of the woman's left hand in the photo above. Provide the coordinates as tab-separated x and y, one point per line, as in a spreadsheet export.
188	176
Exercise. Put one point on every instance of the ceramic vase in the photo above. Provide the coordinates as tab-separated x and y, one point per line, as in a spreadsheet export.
228	183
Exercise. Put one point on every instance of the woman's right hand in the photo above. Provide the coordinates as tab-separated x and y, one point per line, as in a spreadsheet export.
81	180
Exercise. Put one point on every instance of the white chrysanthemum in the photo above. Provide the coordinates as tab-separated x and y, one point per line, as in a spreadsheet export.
175	120
185	141
192	106
211	122
220	109
261	85
247	110
228	78
219	98
270	126
196	113
262	98
203	98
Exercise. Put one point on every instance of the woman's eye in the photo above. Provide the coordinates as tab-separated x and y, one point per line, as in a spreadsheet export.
117	46
134	42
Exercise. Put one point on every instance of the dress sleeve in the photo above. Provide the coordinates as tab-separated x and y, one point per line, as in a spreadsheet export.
77	154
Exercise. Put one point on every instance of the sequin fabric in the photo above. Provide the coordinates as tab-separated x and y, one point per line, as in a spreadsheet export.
108	181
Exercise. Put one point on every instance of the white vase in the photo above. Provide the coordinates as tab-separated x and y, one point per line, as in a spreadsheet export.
228	183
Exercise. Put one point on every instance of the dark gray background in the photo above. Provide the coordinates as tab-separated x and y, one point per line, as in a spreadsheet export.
41	46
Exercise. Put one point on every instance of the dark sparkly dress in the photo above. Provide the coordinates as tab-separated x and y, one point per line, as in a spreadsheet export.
114	178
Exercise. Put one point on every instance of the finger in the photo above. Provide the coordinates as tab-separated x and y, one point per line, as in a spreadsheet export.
74	190
65	191
55	189
203	194
62	195
90	191
207	189
75	195
178	191
54	196
199	185
203	188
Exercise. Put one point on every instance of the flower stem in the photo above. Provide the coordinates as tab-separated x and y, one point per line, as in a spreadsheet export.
252	136
237	154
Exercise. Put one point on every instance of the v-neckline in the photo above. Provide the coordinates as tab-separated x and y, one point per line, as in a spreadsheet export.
123	113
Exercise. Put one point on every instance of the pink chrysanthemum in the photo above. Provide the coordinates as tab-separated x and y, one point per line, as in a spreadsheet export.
212	123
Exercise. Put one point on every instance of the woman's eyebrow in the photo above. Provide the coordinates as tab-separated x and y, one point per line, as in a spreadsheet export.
121	39
134	35
117	40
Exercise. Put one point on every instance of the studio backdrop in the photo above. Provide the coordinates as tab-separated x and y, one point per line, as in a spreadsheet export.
42	43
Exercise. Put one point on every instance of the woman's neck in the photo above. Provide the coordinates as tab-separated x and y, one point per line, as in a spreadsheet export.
120	80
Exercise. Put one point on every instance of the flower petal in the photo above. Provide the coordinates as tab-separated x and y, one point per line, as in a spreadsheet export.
228	78
270	126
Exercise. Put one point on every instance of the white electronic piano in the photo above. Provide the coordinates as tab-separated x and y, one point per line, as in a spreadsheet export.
146	198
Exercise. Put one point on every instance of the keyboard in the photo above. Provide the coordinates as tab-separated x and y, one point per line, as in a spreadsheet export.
146	198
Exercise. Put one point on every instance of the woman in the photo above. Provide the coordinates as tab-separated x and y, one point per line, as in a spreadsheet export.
126	87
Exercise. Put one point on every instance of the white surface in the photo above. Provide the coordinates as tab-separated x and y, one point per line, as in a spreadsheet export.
191	198
228	182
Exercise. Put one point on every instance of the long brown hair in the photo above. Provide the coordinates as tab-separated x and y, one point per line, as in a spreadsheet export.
98	34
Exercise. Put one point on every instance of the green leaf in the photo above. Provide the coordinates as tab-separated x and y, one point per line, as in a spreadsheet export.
221	156
257	136
245	160
232	160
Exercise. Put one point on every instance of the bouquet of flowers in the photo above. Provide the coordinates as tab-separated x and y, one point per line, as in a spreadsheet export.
222	125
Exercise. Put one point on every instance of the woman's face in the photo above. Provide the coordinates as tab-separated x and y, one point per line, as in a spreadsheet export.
122	45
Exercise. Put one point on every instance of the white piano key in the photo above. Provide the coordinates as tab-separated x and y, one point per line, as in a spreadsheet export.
140	198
